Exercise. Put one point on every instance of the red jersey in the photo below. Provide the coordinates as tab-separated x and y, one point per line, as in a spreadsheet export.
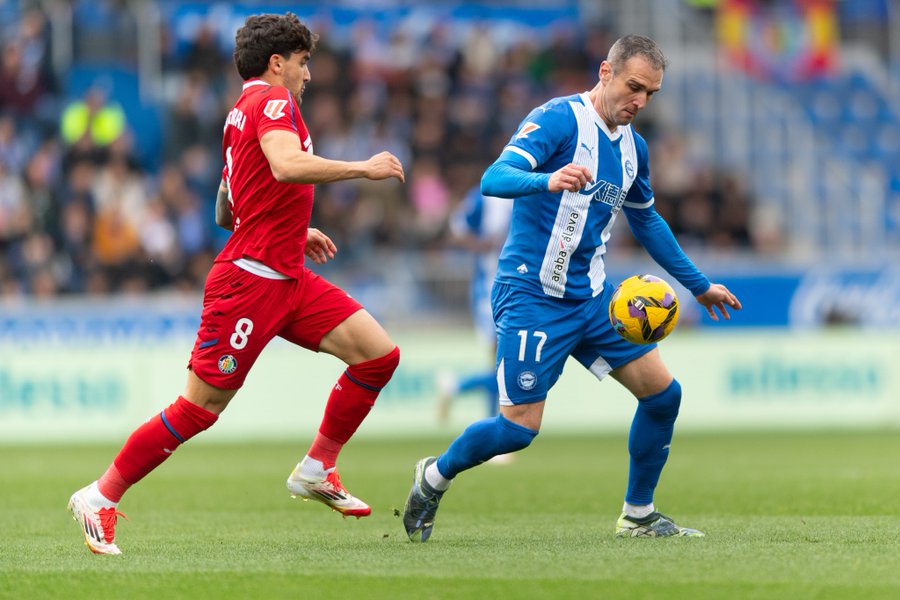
270	218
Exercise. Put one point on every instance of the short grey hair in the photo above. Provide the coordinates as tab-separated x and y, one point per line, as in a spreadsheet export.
636	45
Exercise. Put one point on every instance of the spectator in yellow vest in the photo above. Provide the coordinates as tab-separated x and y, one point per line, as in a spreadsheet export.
93	121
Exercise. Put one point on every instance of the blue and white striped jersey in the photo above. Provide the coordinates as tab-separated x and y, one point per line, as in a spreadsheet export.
557	240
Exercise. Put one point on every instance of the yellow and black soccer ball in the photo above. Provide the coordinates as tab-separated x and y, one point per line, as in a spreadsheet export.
643	309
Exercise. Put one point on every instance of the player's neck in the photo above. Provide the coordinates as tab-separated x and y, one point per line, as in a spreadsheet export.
596	98
271	78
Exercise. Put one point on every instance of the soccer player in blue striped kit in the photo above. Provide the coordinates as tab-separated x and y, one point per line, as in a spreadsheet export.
573	164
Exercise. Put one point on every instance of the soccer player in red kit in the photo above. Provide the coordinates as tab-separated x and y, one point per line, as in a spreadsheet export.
259	288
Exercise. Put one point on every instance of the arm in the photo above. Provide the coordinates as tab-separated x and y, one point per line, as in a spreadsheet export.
655	235
223	208
510	177
290	164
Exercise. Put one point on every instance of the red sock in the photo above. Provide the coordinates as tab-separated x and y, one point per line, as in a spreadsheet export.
350	401
152	443
112	485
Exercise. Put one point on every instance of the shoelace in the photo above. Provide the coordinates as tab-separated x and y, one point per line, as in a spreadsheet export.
108	519
335	480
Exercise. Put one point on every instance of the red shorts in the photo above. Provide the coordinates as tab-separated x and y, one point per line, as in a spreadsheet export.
242	312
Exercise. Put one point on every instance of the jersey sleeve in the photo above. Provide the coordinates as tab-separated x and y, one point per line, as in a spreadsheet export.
276	109
652	231
511	177
542	132
655	235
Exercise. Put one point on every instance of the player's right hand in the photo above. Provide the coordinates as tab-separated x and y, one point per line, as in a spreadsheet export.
570	178
383	166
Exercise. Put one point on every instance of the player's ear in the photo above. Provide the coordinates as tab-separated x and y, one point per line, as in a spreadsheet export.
276	63
605	72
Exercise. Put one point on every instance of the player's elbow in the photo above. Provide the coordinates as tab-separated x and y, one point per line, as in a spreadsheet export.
487	180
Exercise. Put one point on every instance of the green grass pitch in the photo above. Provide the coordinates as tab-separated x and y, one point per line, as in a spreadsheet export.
787	515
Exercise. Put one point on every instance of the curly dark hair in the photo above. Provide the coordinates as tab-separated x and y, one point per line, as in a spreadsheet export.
268	34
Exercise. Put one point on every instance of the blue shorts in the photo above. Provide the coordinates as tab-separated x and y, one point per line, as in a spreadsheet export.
537	334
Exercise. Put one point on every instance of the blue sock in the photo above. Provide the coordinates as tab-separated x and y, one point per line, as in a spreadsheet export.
481	441
648	442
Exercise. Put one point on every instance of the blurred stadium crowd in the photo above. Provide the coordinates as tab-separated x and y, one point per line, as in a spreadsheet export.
82	211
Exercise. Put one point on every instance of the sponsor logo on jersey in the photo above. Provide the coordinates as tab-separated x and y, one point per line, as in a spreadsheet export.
590	188
275	109
227	364
605	192
566	240
629	168
522	269
526	129
527	380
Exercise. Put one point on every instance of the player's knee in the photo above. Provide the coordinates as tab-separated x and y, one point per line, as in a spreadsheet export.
393	358
388	363
665	404
184	419
377	372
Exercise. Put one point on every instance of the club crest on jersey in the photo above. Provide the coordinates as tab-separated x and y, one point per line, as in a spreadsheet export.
527	380
275	109
227	364
526	129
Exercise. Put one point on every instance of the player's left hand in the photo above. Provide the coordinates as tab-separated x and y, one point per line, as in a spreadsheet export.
718	296
319	247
